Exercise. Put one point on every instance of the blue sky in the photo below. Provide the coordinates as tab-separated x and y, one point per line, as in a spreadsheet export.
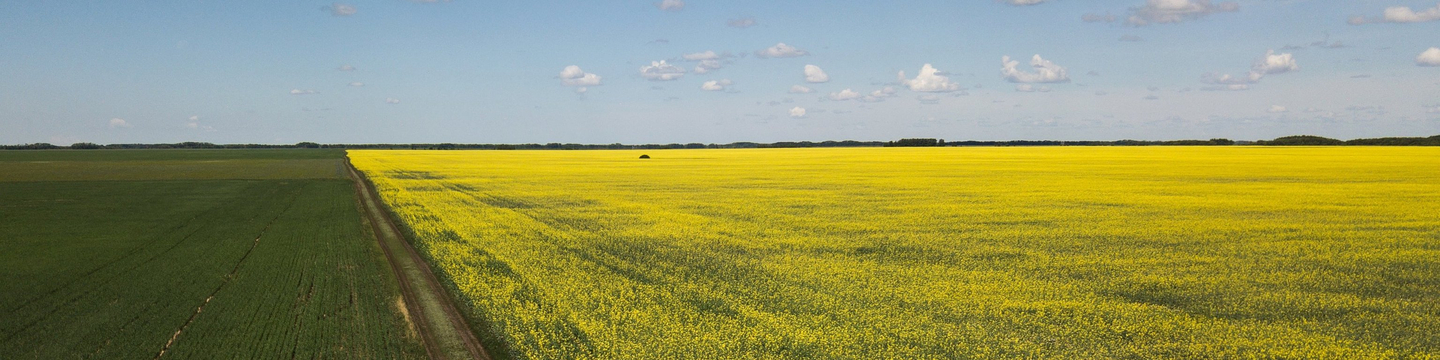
491	72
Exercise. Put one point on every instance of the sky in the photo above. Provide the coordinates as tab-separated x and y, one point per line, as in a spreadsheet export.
681	71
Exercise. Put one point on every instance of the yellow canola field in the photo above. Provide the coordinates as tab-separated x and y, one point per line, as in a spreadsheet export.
933	253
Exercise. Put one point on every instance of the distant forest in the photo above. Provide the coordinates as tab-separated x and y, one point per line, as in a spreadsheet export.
1302	140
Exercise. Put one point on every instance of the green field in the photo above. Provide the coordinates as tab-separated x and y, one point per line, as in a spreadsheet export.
199	254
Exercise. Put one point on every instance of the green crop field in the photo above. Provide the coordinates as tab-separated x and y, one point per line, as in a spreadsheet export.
191	254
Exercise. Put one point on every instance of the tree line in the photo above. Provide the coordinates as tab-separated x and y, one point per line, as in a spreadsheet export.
1300	140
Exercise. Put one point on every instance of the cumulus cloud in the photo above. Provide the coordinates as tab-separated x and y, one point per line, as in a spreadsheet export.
843	95
741	22
1227	79
661	71
706	55
1429	58
929	80
397	101
345	68
118	123
708	60
814	74
879	95
1276	109
671	5
357	84
1400	14
338	9
716	85
573	76
780	50
797	89
1269	64
706	66
1174	11
1274	63
302	92
797	112
1045	71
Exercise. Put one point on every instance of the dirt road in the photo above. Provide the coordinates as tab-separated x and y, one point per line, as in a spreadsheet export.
440	325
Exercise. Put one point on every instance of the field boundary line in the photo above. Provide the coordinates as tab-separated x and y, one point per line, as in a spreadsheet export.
442	328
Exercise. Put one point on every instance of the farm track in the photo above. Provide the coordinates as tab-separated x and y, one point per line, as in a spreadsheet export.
440	325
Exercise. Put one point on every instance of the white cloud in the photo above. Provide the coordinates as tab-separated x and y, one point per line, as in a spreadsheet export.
797	89
1274	63
929	80
928	99
671	5
1429	58
707	66
302	92
1045	71
194	124
843	95
661	71
357	84
707	55
814	74
716	85
1229	87
797	112
879	95
118	123
1174	11
1023	2
781	50
345	68
338	9
741	22
1271	63
573	76
1227	79
394	100
1400	14
1276	109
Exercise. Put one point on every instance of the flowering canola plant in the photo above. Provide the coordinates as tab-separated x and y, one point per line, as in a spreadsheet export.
933	253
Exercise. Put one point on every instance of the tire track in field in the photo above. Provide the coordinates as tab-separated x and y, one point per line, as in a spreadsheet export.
442	328
229	276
